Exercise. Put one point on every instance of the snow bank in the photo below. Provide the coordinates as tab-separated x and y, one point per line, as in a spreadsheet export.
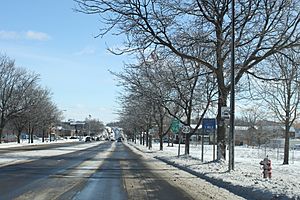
246	180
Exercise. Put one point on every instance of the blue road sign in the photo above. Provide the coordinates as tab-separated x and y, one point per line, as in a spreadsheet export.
209	123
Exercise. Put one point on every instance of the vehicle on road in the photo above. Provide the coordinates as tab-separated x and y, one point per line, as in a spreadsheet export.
297	147
9	138
88	139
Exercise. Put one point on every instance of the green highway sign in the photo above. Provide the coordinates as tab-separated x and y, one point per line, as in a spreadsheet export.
175	126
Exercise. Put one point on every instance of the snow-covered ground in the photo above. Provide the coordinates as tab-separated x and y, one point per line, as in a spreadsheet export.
246	179
20	157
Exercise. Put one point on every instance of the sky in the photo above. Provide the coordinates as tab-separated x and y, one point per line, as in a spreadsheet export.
49	38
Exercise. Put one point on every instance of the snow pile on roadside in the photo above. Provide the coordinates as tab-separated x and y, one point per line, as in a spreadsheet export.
9	158
35	142
284	184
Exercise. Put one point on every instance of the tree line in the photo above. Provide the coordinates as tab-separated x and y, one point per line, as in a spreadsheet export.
24	104
183	51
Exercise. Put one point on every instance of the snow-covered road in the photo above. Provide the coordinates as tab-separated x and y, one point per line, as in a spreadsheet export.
97	170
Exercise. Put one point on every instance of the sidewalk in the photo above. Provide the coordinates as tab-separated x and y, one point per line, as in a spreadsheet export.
245	181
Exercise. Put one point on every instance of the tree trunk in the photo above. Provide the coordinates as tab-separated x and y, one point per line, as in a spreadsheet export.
31	130
2	124
1	131
18	137
43	136
187	144
160	142
28	131
286	144
143	136
134	139
31	137
221	130
147	139
150	141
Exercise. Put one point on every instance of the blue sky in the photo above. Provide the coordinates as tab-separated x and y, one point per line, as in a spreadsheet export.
50	39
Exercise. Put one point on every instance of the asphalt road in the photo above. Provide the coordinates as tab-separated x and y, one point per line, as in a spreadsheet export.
107	171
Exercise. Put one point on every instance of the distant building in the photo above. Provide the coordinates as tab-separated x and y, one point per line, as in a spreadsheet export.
279	143
8	136
262	133
297	133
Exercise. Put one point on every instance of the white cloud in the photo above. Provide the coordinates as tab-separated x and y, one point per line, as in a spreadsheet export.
28	35
9	35
32	35
88	50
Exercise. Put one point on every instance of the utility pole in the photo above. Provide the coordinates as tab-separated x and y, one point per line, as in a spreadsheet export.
232	93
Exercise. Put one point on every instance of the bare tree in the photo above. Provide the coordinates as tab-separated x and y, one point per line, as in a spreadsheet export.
42	114
157	92
47	112
29	102
95	126
20	124
176	89
283	95
14	86
191	91
130	122
262	28
135	101
138	112
252	116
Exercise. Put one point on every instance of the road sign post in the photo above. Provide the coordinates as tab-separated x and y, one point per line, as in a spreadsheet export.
185	130
179	141
175	125
208	126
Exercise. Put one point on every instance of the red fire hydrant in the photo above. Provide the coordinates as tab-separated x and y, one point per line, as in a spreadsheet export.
266	167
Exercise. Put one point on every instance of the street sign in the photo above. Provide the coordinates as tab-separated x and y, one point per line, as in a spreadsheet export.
209	123
186	129
175	126
225	112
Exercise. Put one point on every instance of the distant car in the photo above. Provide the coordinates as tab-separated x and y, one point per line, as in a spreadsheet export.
73	137
297	147
165	139
88	139
119	140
